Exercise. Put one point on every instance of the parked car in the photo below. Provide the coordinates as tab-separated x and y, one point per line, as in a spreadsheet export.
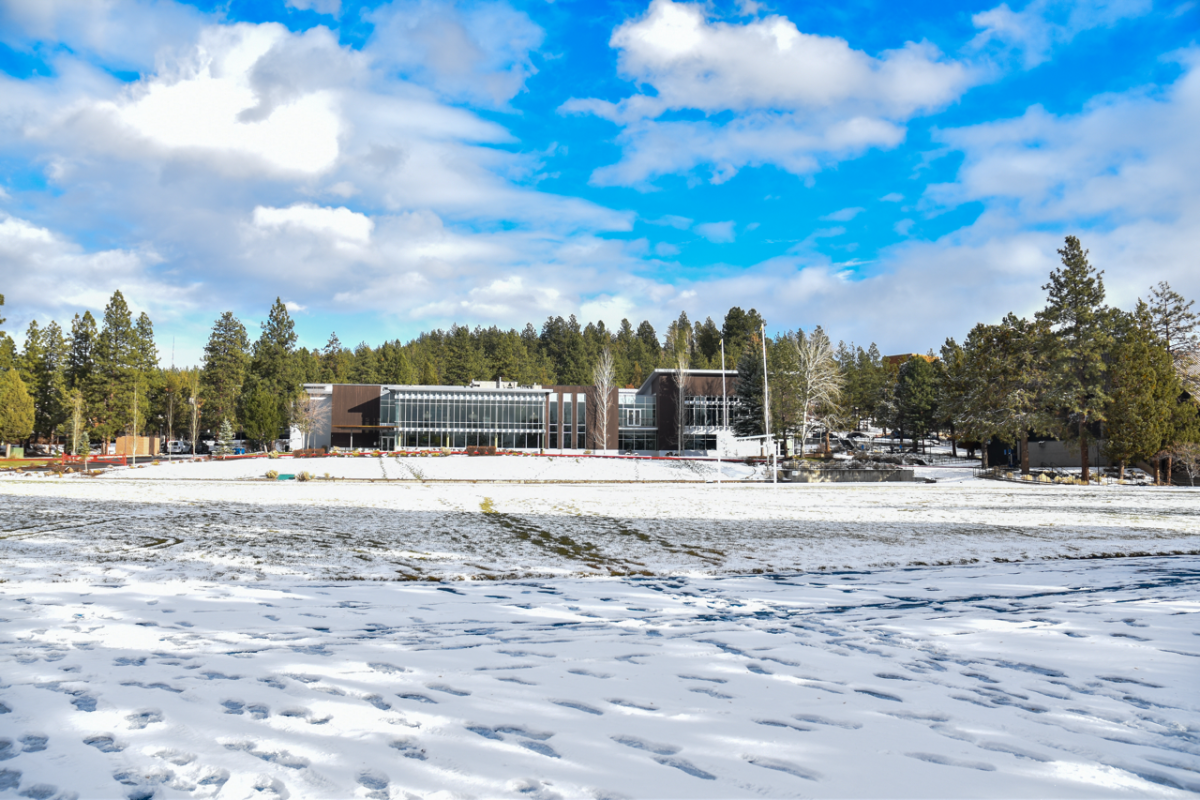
178	447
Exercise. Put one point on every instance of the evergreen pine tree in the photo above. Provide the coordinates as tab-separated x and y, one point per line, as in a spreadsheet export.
118	359
1077	315
16	408
1142	394
226	361
747	413
916	395
225	439
274	373
365	368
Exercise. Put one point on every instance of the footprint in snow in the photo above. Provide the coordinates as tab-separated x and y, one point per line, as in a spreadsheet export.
418	698
642	744
104	743
774	723
274	683
577	706
530	740
441	687
589	674
306	715
281	757
7	750
711	692
140	719
378	702
946	761
685	766
815	720
408	748
758	670
703	678
125	661
783	766
390	669
34	742
268	788
176	757
84	702
517	680
375	782
616	701
880	695
9	779
42	791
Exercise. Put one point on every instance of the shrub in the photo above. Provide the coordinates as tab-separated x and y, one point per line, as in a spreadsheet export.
273	454
272	474
304	476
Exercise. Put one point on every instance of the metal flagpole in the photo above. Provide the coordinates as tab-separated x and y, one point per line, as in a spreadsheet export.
725	412
767	410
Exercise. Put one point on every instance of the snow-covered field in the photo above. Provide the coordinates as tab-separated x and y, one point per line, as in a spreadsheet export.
1056	679
205	635
139	528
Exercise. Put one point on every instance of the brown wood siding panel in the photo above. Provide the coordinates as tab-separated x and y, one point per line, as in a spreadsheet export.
354	406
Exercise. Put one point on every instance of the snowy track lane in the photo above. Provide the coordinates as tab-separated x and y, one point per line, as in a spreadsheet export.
1057	679
213	530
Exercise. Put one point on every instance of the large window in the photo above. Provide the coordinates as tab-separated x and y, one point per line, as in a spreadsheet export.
704	412
635	412
637	440
700	441
464	419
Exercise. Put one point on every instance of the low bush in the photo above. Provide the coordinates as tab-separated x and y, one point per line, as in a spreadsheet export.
272	474
304	476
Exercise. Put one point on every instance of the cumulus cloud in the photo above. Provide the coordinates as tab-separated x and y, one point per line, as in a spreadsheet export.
340	225
48	276
479	52
124	33
1033	32
798	98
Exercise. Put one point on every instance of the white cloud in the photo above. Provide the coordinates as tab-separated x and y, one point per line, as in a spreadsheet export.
479	53
1034	31
892	197
721	232
125	33
47	276
666	249
339	224
209	102
330	7
903	226
672	220
294	307
799	98
844	215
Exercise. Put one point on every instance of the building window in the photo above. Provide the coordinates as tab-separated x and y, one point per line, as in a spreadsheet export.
637	440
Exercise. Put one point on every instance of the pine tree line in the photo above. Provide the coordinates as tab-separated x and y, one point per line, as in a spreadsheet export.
1077	370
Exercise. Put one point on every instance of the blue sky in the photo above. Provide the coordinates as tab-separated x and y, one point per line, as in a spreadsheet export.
893	172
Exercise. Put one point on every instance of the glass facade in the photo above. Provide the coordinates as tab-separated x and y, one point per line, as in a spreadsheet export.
429	418
637	440
703	412
699	441
637	422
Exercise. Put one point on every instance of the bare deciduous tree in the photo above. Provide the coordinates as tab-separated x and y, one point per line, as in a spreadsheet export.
682	364
819	382
602	379
305	413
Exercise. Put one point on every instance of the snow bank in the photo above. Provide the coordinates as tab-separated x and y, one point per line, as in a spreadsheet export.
453	467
